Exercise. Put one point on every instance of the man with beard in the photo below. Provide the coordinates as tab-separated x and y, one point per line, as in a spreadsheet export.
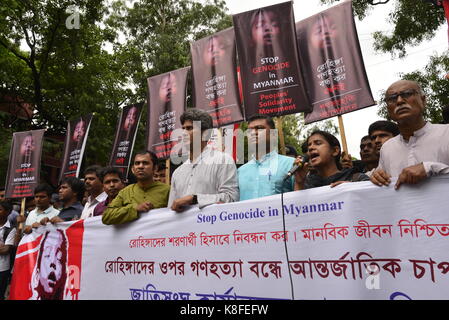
113	182
422	148
51	269
139	197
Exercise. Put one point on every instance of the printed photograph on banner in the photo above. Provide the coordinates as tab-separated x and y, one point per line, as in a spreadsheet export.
166	103
75	142
214	70
125	137
24	163
269	64
332	63
48	265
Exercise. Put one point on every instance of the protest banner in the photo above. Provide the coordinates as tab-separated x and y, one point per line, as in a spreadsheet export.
125	137
332	63
24	164
215	83
354	241
269	64
166	104
75	142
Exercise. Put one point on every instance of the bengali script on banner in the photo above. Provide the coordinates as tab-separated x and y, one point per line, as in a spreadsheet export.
75	143
269	64
215	82
354	241
332	63
166	104
24	164
125	137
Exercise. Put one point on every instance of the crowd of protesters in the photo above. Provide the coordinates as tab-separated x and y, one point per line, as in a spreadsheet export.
409	148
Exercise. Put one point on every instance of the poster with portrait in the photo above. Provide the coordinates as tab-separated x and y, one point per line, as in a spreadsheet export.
332	63
75	142
125	137
269	63
49	266
166	104
24	164
215	83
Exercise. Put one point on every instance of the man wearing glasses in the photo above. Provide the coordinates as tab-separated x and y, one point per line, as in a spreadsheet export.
421	149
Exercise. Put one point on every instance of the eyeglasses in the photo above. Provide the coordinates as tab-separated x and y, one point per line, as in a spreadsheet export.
391	99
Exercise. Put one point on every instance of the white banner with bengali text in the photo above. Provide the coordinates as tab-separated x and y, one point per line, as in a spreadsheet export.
354	241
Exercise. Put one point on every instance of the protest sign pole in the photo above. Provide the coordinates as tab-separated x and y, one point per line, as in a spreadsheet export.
281	134
167	171
22	212
342	134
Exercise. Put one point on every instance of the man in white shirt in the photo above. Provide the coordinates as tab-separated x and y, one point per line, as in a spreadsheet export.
44	209
208	176
7	234
94	188
421	150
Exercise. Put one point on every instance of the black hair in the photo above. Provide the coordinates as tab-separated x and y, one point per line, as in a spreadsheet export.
111	170
6	205
44	188
76	185
384	125
269	120
194	114
94	169
366	138
153	157
333	142
290	150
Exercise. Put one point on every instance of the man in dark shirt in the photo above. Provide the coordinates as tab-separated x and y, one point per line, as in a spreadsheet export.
113	182
71	192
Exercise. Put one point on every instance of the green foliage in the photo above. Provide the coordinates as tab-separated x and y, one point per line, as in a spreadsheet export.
413	22
434	85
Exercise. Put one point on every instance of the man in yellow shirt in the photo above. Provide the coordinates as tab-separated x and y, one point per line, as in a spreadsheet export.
140	197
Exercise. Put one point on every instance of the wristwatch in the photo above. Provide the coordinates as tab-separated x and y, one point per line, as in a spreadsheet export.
195	199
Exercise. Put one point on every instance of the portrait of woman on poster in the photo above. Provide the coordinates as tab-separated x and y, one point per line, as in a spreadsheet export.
130	119
27	146
168	88
50	274
215	51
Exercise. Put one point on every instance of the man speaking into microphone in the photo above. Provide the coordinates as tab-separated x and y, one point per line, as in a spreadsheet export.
267	172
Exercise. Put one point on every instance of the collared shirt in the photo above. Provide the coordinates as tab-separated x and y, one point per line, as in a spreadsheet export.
428	145
12	217
72	211
91	203
4	258
124	207
212	176
265	177
99	209
36	215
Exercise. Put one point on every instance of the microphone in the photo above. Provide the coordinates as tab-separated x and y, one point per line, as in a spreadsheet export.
292	171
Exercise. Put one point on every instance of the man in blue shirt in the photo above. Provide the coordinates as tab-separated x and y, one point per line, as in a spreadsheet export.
264	174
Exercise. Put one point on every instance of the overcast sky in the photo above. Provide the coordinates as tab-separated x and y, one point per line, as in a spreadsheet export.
381	69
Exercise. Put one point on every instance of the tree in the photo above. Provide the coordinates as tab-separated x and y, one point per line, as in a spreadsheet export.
413	22
434	85
159	33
